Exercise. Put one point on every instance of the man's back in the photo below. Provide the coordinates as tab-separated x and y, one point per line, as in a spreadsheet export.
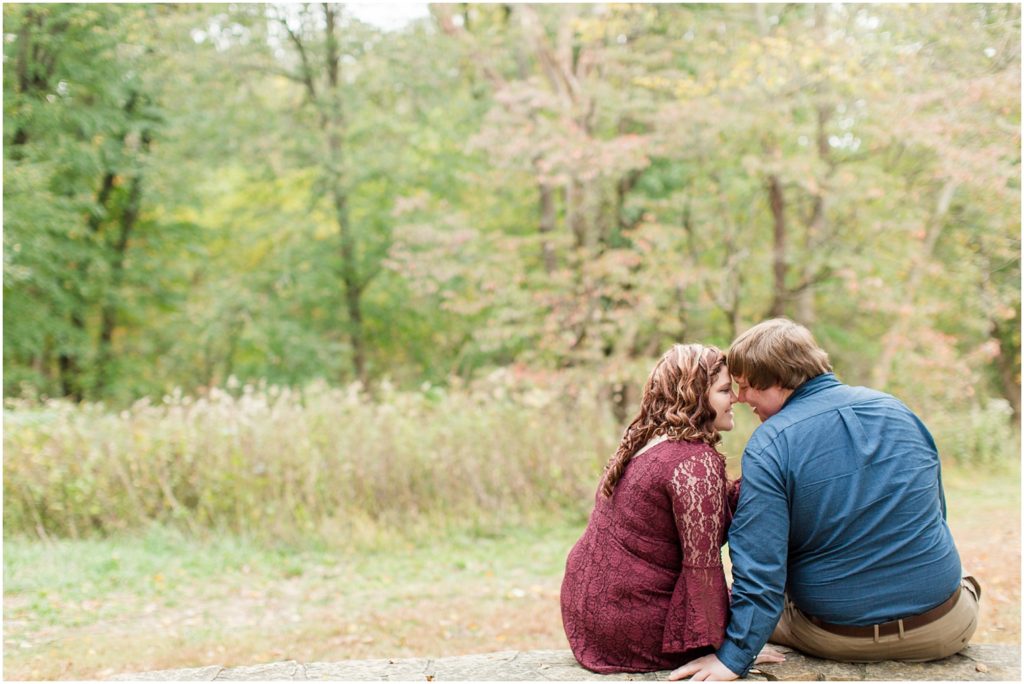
842	509
867	538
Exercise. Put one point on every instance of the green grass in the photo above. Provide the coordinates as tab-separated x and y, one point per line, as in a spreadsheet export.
979	493
82	602
161	563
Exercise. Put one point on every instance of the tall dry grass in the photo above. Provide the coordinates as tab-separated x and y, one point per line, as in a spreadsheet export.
337	466
286	464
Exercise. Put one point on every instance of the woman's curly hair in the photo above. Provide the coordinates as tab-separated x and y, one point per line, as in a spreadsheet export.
675	403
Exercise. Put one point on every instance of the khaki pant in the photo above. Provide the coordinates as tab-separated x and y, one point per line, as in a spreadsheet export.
939	639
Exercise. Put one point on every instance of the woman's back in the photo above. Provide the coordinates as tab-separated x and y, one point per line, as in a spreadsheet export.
644	587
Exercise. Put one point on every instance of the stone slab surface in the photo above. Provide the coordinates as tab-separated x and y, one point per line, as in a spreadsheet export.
189	674
981	662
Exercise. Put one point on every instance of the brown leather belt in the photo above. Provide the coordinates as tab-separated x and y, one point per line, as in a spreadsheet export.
892	627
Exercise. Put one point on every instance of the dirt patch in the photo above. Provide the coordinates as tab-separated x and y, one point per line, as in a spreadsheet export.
993	557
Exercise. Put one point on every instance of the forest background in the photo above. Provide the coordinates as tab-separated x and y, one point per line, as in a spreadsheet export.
285	291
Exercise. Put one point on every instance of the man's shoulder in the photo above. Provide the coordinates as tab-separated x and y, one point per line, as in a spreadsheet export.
834	399
865	398
802	418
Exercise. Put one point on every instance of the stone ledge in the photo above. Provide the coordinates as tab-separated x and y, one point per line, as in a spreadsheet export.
982	662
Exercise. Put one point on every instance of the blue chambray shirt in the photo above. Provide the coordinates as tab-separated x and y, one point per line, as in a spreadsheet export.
842	506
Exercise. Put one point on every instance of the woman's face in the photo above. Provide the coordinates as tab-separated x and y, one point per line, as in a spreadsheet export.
722	398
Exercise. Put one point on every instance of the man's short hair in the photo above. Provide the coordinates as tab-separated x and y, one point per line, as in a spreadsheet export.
777	352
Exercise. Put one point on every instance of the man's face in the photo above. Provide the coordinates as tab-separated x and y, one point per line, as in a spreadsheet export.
765	403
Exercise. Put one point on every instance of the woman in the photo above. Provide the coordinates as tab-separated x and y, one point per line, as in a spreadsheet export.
644	587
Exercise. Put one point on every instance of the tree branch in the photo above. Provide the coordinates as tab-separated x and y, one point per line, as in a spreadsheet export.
307	71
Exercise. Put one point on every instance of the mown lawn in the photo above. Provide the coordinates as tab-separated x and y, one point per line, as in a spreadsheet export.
90	609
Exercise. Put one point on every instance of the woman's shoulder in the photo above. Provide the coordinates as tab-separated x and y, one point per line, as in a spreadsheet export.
665	462
675	450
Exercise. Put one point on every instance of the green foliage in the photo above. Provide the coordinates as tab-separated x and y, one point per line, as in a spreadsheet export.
86	264
193	192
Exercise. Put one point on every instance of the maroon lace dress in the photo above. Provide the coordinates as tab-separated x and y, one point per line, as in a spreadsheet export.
644	587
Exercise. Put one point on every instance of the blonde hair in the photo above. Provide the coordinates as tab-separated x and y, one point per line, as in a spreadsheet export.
674	404
777	352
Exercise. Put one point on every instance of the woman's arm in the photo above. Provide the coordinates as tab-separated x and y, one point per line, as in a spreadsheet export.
699	498
732	494
699	609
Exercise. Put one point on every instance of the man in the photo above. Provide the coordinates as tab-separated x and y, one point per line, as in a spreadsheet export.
840	534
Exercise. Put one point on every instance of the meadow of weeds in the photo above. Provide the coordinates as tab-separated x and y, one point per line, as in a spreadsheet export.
325	463
286	465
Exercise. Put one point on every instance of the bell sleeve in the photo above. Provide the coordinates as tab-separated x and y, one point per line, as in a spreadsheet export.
699	609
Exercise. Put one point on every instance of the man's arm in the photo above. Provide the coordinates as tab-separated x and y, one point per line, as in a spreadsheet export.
930	442
758	548
942	492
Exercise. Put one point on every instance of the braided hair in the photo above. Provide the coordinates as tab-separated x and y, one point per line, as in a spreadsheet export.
675	403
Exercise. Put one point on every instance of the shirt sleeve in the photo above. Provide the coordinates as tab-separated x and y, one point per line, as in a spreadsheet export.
699	607
930	442
758	548
942	493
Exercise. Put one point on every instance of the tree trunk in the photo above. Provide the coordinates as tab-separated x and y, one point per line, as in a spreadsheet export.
70	371
893	340
351	284
606	220
622	190
816	226
779	267
67	363
1008	361
108	313
333	126
68	360
575	202
547	225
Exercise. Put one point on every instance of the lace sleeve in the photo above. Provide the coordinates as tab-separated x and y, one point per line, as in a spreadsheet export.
698	611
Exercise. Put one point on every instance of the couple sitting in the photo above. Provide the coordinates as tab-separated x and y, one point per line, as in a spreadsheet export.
837	531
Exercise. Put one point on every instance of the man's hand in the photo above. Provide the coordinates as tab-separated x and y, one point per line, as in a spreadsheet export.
769	655
706	668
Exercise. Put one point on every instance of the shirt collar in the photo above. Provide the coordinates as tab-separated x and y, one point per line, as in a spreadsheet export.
813	386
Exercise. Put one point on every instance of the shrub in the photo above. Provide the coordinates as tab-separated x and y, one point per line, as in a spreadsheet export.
982	436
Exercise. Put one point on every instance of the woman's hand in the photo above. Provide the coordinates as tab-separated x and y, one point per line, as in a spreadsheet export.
769	655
